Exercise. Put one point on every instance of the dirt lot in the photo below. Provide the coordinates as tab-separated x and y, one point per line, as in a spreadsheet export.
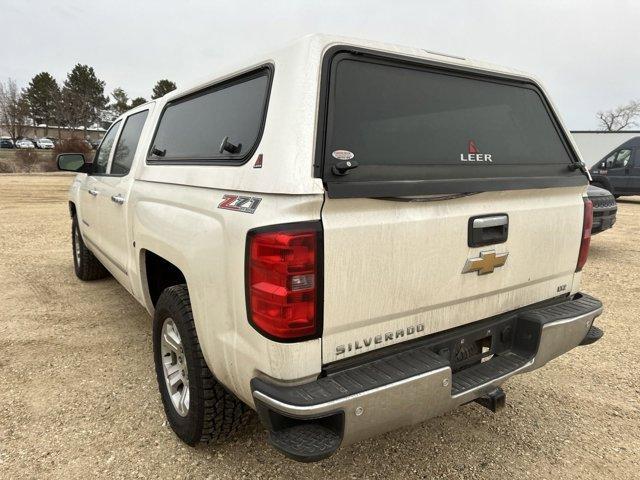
78	397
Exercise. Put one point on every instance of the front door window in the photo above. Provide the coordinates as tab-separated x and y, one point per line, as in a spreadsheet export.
101	160
621	159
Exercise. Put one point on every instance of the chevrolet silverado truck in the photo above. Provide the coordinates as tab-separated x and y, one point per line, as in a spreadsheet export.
345	236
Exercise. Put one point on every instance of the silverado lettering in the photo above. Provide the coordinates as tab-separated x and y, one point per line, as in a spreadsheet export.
378	339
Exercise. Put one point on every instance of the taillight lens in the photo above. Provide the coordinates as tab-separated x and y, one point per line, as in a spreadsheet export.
283	275
587	223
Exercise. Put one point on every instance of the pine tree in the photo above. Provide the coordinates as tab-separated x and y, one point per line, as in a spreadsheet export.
121	103
83	97
42	97
163	87
138	101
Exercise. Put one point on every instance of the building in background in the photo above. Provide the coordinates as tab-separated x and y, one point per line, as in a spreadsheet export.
594	145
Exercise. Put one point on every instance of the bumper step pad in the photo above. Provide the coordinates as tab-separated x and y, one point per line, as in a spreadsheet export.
375	374
477	375
593	335
307	442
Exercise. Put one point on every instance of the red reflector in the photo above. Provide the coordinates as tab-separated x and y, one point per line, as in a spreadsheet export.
282	279
587	223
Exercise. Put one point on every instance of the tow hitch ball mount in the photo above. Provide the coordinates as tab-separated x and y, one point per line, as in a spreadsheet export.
494	400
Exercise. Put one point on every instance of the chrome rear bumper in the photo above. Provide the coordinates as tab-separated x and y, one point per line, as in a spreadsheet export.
417	383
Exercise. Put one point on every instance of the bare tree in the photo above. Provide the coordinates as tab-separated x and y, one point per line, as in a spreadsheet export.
14	110
620	118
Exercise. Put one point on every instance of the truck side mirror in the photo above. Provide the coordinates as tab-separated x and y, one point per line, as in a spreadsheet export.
71	162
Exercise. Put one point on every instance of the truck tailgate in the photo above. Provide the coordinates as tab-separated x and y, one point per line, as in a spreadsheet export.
393	268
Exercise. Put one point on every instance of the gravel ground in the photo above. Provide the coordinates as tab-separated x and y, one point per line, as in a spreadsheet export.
78	396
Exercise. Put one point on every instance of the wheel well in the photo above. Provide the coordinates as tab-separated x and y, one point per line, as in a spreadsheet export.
161	274
72	209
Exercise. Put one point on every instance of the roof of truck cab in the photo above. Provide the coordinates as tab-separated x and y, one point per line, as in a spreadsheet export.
288	141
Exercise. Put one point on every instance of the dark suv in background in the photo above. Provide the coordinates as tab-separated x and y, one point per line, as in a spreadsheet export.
619	171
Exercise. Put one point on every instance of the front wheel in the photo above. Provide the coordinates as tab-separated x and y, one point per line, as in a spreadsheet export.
86	265
197	406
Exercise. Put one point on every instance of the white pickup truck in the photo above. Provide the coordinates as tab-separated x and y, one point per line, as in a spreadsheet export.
345	236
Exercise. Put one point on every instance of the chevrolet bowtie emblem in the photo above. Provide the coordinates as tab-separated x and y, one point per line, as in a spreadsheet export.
487	262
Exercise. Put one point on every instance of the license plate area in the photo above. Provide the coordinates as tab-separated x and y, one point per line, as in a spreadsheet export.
478	345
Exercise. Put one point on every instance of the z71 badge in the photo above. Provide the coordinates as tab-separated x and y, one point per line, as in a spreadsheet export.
238	203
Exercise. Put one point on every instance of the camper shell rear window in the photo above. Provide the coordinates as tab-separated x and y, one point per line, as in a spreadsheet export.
423	128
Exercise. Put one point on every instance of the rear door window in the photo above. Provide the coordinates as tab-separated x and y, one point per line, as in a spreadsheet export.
434	131
193	128
128	143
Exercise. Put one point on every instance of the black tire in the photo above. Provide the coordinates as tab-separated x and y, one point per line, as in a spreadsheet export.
213	414
86	265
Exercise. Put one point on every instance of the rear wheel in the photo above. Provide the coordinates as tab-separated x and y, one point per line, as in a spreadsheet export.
197	406
86	265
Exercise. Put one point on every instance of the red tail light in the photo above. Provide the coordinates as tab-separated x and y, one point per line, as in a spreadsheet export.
587	223
283	280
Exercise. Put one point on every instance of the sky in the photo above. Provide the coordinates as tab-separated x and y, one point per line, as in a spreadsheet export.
586	52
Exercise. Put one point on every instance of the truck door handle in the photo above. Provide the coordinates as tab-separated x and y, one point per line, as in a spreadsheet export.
92	192
119	199
488	230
